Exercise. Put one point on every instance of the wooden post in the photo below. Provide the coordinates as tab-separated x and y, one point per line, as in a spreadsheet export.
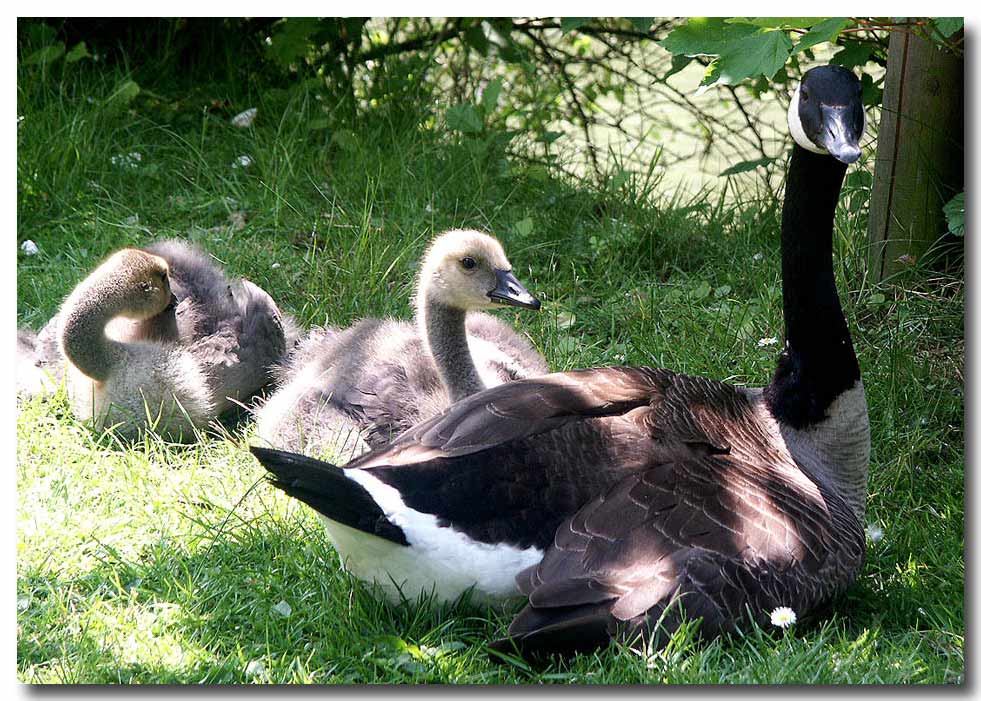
919	163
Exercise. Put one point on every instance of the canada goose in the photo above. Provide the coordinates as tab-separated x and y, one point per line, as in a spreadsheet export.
151	326
608	495
359	387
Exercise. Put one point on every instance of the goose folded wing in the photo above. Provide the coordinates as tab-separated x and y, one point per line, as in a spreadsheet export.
698	529
522	409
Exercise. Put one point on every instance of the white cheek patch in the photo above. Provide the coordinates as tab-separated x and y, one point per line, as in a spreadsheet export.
796	128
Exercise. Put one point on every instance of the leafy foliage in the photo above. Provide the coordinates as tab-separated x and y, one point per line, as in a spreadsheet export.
954	211
747	166
758	47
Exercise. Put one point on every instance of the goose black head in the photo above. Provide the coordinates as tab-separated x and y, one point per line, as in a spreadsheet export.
826	114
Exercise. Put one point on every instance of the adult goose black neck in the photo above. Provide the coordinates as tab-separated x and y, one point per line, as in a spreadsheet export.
818	362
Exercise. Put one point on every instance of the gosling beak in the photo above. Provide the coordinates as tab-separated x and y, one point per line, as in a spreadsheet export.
172	304
843	127
510	291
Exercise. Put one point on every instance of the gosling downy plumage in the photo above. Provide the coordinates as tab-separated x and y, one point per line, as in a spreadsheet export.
211	343
346	390
238	333
39	363
610	496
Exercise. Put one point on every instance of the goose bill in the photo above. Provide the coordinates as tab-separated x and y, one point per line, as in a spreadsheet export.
842	129
509	290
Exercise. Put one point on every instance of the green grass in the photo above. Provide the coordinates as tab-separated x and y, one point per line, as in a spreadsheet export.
155	563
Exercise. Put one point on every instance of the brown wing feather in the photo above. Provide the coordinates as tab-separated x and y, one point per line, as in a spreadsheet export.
711	531
522	409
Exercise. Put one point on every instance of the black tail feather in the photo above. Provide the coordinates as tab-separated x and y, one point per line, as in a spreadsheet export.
535	635
329	491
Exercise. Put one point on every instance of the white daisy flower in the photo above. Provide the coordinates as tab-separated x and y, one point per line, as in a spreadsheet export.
763	342
874	532
783	617
255	668
29	248
757	257
242	162
245	119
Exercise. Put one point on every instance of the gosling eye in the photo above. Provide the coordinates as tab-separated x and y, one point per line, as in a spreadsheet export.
146	286
468	263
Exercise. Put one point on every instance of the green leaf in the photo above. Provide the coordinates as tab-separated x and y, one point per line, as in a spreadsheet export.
124	94
701	291
954	210
948	25
746	166
877	298
536	172
345	139
37	33
763	53
827	30
525	226
871	92
490	96
318	124
678	63
464	118
511	51
291	40
619	179
778	22
567	24
859	179
854	54
642	24
567	345
474	36
704	36
47	54
78	52
548	137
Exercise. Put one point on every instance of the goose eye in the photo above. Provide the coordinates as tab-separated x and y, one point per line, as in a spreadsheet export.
803	95
468	263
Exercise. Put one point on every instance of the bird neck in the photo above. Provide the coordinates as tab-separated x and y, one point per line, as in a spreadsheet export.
816	393
160	327
818	363
445	331
87	310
